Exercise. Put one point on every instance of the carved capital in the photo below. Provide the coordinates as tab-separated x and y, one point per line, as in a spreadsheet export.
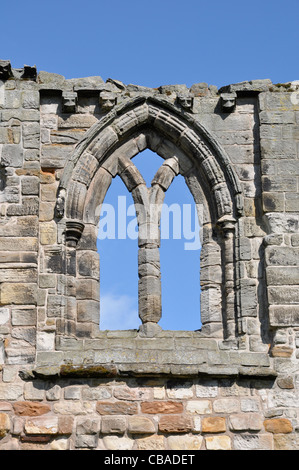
73	232
227	224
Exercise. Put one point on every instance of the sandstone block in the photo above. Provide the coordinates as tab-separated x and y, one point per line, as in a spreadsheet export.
253	442
23	317
30	408
30	185
140	425
200	407
286	441
4	424
12	155
48	233
245	422
213	424
173	424
161	407
86	441
30	99
18	293
60	444
113	425
278	426
185	442
226	405
118	443
218	443
10	391
18	244
116	408
42	425
87	426
4	315
132	394
151	443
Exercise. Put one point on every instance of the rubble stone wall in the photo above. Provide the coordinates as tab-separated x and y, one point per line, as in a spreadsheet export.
64	383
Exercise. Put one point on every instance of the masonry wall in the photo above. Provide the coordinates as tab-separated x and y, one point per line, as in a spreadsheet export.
66	385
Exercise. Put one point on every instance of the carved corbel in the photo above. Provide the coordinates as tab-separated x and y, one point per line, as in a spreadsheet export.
186	101
107	100
228	102
69	101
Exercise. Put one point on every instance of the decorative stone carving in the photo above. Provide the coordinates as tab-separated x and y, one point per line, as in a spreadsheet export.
228	102
73	232
107	100
69	101
186	101
60	202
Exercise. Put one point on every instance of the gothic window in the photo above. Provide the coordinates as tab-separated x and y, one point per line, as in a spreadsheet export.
188	152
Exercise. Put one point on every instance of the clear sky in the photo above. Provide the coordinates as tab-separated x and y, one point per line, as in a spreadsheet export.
153	43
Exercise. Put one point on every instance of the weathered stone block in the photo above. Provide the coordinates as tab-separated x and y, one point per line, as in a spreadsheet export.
48	233
113	425
30	408
18	293
213	424
162	407
282	256
4	424
12	155
201	407
174	424
54	156
218	443
30	99
278	426
282	295
140	425
42	425
31	135
117	408
246	422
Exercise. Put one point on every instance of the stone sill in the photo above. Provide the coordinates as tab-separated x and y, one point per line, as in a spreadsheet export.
179	354
183	371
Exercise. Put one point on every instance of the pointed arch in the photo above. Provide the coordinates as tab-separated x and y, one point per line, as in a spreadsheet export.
187	149
167	130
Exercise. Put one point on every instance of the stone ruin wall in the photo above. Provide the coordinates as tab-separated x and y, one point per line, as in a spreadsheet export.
64	384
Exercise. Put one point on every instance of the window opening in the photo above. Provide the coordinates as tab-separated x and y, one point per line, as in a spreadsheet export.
179	254
117	246
180	259
148	163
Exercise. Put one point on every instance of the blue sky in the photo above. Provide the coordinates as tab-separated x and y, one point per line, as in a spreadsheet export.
153	43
